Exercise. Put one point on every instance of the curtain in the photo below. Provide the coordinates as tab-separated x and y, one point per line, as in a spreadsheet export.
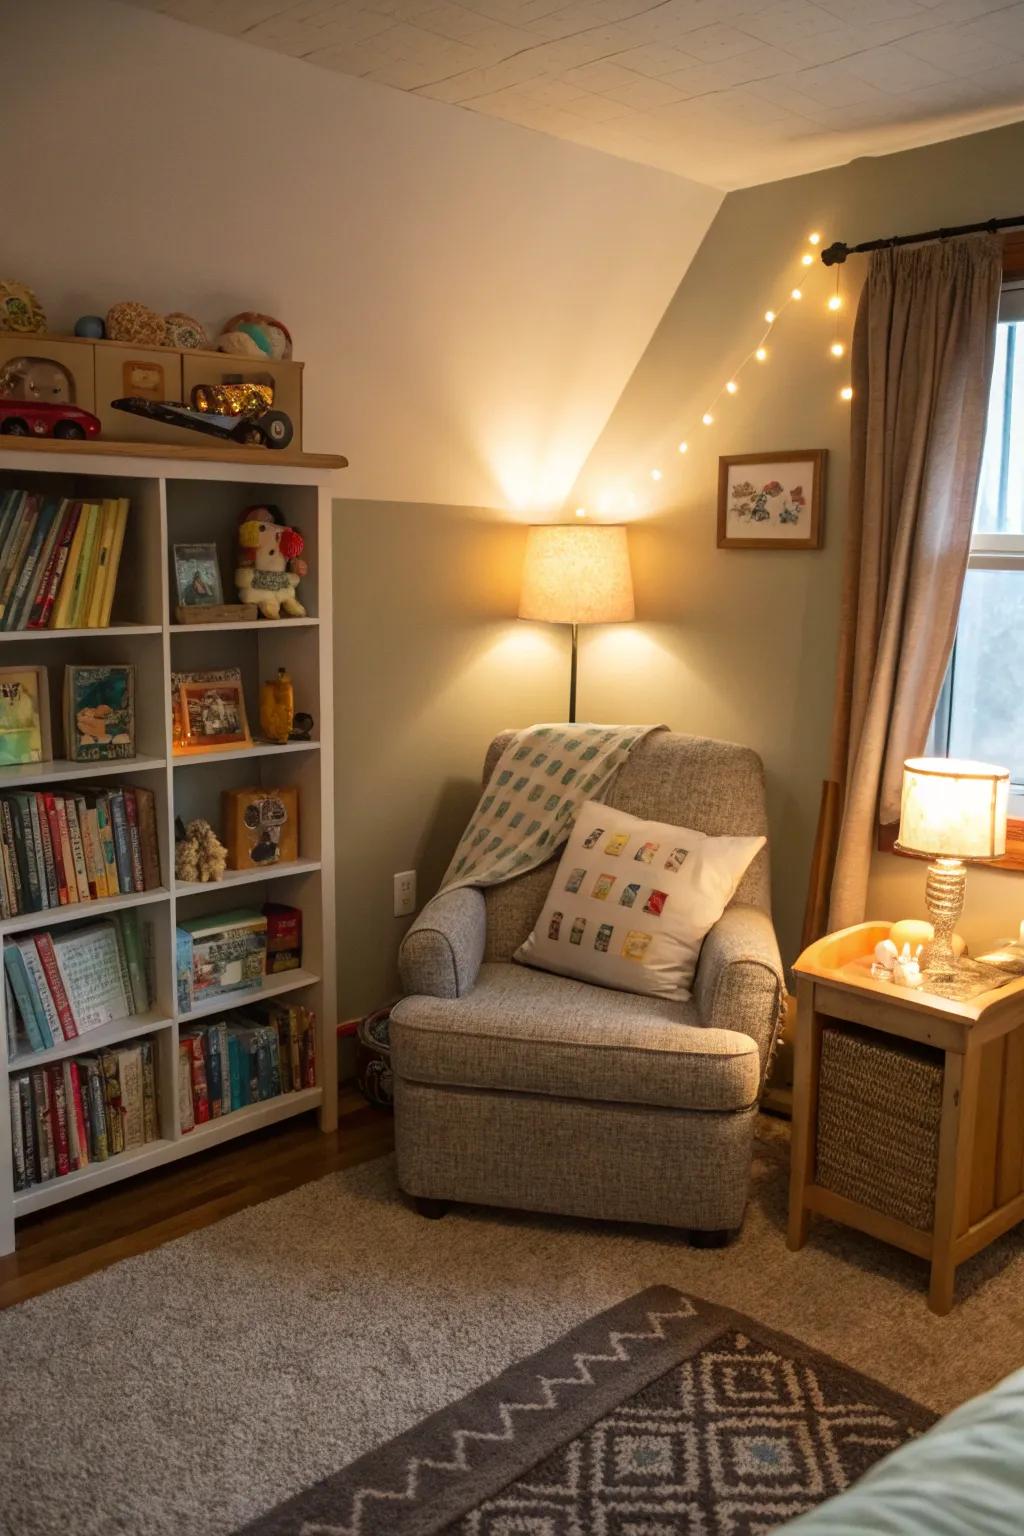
922	363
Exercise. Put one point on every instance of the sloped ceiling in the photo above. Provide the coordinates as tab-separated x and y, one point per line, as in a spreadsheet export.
728	92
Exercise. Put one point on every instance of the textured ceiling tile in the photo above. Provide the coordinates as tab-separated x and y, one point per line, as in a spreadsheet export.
893	70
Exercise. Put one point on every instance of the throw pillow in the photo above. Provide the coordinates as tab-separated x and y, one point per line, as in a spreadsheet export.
632	900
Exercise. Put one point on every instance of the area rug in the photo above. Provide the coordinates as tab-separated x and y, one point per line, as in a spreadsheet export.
662	1414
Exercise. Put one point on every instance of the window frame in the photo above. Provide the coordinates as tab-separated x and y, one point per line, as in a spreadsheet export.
989	552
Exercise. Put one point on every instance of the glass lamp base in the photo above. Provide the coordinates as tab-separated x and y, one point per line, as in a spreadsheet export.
944	898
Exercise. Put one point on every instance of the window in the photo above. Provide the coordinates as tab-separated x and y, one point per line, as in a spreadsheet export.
980	712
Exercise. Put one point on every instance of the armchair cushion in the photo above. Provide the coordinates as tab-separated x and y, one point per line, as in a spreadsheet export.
523	1031
441	953
739	983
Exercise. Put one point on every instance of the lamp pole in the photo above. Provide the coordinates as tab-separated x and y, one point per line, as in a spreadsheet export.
572	674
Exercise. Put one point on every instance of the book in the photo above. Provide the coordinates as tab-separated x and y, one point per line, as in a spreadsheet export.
214	1082
117	544
99	712
35	1026
48	959
90	968
284	937
64	836
131	816
58	566
16	611
129	1072
60	615
145	801
30	810
150	1118
186	1112
49	866
200	1088
77	847
239	1094
58	1108
93	601
47	559
183	970
24	716
131	938
46	1009
84	569
112	1102
122	962
15	552
28	1128
78	1131
95	865
122	847
228	952
45	1151
99	1144
21	1177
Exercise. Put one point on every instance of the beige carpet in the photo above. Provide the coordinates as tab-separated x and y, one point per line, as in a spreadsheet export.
189	1389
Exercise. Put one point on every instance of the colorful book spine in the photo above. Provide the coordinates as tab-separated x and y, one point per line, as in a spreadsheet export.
28	1128
21	1174
35	1027
186	1109
49	866
65	543
77	847
58	1120
76	1112
131	816
145	801
55	985
150	1119
122	846
47	560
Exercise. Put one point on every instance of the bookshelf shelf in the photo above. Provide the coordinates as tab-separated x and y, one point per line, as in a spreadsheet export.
80	910
61	769
239	754
273	986
236	877
119	631
93	1040
184	495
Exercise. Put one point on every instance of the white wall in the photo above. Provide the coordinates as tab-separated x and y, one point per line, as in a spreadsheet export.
469	296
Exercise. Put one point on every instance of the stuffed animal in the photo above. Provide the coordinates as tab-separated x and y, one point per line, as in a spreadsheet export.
136	324
199	853
20	310
269	568
185	332
251	334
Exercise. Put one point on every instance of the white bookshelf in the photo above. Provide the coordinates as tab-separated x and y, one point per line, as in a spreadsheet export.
185	498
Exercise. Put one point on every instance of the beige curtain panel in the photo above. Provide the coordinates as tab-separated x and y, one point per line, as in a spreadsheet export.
922	363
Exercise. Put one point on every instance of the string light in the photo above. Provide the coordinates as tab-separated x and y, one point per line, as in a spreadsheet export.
796	294
837	349
846	393
814	238
835	302
684	447
769	316
761	354
707	418
581	511
655	474
806	259
731	387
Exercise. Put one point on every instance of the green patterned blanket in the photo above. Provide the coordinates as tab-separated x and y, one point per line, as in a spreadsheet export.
529	805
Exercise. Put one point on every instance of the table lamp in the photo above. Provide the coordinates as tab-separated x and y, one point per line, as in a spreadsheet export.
951	809
577	573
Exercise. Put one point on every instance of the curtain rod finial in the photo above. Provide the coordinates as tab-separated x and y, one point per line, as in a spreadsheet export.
835	255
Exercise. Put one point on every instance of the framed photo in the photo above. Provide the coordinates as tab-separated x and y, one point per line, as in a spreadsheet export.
772	500
209	711
24	716
99	713
197	575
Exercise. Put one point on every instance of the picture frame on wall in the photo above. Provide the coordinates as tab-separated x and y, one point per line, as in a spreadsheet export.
772	500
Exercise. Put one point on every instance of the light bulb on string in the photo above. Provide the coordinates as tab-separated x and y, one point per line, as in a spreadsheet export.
769	317
835	302
806	259
814	238
732	387
655	474
846	393
684	447
761	354
796	294
837	349
707	418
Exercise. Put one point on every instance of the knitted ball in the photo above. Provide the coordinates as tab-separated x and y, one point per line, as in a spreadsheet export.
185	332
90	326
250	334
136	323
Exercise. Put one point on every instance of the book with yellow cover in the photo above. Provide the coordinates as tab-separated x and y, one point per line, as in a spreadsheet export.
60	617
114	560
93	605
76	613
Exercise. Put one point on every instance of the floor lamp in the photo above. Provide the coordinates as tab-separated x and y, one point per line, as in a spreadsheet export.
577	573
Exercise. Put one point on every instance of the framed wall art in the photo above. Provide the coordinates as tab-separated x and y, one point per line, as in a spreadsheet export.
772	500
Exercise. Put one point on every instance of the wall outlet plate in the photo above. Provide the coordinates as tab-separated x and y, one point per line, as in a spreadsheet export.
405	892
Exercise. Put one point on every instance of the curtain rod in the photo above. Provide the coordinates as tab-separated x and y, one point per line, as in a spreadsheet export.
835	254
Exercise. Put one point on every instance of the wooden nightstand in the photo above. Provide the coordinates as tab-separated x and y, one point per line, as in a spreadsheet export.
937	1152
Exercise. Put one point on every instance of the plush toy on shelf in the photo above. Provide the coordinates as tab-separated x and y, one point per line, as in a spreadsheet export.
199	854
269	569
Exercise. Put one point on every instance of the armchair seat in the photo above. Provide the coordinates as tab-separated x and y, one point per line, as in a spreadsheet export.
524	1031
518	1088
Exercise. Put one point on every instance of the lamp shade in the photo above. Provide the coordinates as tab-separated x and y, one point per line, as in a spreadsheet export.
953	808
577	573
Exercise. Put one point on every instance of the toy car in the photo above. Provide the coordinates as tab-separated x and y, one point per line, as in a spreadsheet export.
271	429
44	418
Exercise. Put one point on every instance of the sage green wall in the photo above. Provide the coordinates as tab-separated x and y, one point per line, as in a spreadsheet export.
742	644
430	662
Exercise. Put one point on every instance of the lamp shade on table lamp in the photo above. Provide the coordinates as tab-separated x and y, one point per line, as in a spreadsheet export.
577	573
951	809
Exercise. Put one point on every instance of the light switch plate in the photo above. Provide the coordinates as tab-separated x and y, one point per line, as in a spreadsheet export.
405	892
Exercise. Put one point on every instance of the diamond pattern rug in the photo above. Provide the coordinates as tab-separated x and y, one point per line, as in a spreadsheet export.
665	1416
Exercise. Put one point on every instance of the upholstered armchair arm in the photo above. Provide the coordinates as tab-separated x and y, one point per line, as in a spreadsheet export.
442	951
739	983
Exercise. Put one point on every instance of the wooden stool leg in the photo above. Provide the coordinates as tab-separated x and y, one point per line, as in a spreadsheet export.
953	1175
807	1058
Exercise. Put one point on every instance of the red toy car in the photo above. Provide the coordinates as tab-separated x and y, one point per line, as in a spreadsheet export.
43	418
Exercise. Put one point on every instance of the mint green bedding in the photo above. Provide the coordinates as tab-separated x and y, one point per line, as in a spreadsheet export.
965	1477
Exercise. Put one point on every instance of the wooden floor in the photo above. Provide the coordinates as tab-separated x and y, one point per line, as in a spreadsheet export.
68	1241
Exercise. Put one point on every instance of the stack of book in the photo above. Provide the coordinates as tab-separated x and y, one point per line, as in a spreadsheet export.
61	984
80	845
82	1111
59	560
225	1066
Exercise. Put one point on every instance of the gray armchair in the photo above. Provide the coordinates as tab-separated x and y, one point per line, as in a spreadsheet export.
517	1088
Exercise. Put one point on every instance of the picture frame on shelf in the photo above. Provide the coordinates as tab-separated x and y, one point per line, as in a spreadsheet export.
197	577
24	716
99	713
772	500
209	711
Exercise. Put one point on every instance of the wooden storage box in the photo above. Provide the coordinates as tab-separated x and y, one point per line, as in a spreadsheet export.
152	372
221	368
879	1108
74	356
261	826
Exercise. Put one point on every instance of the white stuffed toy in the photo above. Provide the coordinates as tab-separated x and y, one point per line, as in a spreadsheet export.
269	569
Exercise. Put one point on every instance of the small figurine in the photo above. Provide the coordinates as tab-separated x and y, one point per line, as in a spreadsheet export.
886	955
277	707
906	971
269	569
199	853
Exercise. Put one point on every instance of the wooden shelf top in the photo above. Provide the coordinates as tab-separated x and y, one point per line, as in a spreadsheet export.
102	447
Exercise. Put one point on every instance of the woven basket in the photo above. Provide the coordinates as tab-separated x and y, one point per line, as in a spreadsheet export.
879	1107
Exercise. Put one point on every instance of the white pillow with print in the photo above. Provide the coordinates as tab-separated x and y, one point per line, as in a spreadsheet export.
632	901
